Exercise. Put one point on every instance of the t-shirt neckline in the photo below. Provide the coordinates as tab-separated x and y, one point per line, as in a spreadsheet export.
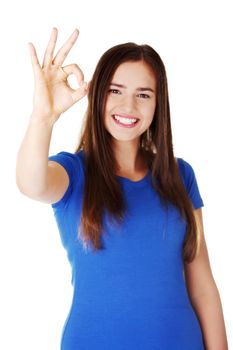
132	183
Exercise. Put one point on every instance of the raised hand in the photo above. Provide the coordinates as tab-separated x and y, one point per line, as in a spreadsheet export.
52	93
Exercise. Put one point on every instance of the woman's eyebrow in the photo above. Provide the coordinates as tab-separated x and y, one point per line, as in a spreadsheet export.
138	89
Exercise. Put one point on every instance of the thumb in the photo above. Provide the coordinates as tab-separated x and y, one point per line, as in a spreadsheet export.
80	92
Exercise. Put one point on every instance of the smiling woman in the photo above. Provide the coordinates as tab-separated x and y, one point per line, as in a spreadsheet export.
125	206
129	108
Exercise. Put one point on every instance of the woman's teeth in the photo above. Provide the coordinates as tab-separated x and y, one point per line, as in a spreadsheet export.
126	121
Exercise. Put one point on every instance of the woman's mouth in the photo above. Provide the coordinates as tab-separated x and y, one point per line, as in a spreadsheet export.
126	122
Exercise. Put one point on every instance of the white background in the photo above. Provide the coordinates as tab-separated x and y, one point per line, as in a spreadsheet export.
194	39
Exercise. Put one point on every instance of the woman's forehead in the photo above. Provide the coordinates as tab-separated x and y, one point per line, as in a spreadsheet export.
138	73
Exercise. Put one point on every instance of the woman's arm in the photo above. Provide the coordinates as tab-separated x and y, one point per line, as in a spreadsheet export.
204	294
52	96
32	158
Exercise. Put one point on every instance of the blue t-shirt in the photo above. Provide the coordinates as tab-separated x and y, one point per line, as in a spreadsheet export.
132	294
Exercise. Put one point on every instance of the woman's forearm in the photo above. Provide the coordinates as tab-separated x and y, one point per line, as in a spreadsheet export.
208	308
32	158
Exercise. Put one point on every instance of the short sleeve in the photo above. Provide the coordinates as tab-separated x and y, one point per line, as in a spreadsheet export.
190	182
69	162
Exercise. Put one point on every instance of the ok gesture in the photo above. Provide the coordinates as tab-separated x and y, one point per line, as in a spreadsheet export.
52	93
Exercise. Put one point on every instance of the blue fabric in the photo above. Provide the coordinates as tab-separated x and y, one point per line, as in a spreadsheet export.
132	294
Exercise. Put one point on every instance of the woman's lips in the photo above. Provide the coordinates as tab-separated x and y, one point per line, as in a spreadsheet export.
130	125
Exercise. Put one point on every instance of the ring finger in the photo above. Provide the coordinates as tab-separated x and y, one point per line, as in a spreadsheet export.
50	48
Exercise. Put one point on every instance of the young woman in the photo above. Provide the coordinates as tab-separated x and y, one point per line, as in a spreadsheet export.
128	211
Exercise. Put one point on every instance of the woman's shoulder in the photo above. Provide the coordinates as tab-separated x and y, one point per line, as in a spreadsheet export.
73	162
185	168
69	156
188	176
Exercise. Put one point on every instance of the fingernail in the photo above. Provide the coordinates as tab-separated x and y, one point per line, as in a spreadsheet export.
83	85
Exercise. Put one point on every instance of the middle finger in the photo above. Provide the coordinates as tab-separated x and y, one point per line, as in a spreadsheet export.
65	49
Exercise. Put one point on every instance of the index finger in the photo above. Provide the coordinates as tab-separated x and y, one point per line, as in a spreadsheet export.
65	49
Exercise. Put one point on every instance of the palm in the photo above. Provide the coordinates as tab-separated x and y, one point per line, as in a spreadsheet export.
52	92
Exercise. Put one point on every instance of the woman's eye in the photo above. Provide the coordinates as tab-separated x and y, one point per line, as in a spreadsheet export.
114	91
144	95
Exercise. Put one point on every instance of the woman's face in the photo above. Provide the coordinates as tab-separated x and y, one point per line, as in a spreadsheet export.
131	100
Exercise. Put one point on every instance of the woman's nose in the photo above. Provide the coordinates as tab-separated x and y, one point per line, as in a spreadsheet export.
129	102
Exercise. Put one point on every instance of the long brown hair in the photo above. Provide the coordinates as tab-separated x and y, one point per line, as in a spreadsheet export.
102	191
